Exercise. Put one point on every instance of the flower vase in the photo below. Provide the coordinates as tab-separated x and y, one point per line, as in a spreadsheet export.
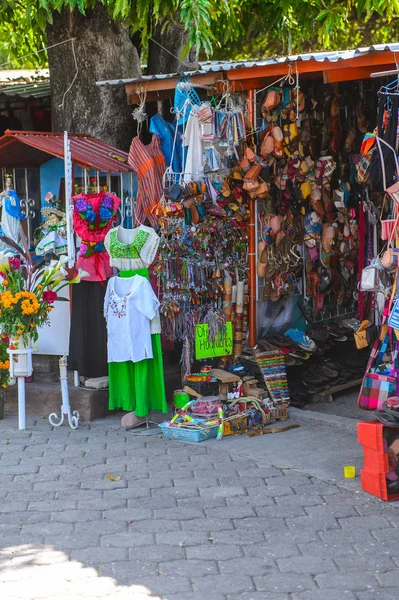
20	357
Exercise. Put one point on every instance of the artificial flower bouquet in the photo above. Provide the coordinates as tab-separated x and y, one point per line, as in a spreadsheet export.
28	290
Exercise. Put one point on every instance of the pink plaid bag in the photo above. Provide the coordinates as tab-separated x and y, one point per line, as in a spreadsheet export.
377	388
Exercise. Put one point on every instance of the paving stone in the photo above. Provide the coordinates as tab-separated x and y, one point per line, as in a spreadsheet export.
157	553
189	568
237	537
73	541
346	581
256	523
207	525
97	555
376	594
280	512
201	502
318	523
364	522
177	538
127	540
23	518
387	548
6	507
284	583
325	595
47	528
323	549
127	514
182	513
292	536
223	583
270	490
259	596
52	505
76	516
222	492
101	527
327	511
389	579
196	596
159	526
175	492
347	536
373	564
128	572
160	585
214	552
306	564
272	550
239	512
249	566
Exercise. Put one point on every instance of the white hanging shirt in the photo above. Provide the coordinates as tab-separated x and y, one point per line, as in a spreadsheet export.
131	249
129	306
194	167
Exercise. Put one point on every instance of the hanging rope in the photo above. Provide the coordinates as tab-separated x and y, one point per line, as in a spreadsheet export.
139	113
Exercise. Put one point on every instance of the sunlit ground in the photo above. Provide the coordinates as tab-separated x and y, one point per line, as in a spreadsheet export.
36	573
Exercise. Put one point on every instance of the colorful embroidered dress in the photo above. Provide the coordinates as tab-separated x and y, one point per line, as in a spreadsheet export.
149	164
137	386
93	217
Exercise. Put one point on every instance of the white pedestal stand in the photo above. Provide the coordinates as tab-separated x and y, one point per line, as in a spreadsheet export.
21	367
73	418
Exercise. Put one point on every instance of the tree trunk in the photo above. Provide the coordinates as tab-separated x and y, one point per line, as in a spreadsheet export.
165	48
103	51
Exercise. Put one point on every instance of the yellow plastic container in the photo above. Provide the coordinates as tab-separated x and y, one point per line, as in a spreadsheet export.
349	472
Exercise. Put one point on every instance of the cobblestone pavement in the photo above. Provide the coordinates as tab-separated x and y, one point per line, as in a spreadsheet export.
183	522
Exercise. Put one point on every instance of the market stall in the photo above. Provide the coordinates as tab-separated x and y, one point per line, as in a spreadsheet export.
41	170
286	174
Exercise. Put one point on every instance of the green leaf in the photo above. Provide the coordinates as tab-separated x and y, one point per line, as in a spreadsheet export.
185	51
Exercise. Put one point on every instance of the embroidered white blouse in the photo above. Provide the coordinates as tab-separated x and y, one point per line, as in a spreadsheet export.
131	249
129	306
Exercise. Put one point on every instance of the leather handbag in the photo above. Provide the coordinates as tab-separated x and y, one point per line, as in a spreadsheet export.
253	173
376	387
388	225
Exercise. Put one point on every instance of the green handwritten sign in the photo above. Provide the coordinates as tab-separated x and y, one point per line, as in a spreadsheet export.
222	345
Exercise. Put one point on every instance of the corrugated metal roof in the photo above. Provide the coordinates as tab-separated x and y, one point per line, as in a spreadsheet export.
37	89
12	75
30	148
218	66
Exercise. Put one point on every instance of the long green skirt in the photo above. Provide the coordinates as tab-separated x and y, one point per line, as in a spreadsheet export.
139	386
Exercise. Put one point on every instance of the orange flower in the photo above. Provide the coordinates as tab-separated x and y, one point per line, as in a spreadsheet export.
4	283
40	287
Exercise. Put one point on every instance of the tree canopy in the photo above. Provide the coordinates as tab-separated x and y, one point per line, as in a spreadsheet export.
229	29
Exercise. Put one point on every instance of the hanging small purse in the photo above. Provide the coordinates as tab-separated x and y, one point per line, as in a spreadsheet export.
377	387
253	173
388	225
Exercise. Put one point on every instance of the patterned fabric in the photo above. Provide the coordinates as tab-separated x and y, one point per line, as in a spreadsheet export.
132	250
149	164
375	390
123	243
93	217
118	305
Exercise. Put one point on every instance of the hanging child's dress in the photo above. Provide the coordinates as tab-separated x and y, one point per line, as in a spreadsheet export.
148	162
136	385
93	216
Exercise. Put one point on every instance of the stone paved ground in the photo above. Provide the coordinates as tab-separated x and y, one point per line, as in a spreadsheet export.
184	522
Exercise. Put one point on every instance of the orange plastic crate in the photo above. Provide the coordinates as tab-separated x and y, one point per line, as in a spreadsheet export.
370	436
372	476
376	484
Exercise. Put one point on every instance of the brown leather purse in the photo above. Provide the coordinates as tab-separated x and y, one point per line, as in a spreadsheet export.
253	173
